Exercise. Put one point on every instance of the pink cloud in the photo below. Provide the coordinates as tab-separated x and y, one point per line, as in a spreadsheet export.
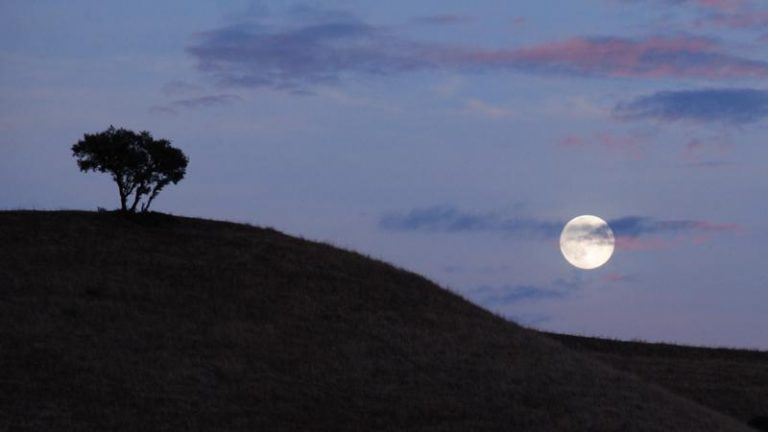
733	14
718	227
486	109
572	141
698	233
737	20
701	149
703	4
443	19
294	59
619	51
627	243
705	230
654	57
721	4
616	278
626	146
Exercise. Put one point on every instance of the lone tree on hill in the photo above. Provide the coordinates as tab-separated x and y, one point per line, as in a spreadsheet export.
140	165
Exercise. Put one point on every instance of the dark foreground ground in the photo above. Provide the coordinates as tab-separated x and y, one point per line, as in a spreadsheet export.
731	381
166	323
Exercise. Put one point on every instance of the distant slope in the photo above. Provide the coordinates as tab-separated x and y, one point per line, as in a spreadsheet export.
167	323
731	381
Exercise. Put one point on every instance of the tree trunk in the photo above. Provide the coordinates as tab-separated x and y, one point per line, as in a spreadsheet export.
136	199
149	200
123	197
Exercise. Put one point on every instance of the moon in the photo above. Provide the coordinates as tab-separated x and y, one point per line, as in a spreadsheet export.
587	242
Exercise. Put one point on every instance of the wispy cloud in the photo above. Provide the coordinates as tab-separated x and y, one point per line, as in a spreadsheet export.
503	295
326	49
294	58
636	226
719	4
706	151
618	278
514	294
442	19
631	232
629	146
731	14
207	101
486	109
196	102
162	110
653	57
636	233
744	19
716	5
448	219
729	106
178	88
519	21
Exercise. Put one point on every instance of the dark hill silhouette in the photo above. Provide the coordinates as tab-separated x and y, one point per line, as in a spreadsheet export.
168	323
731	381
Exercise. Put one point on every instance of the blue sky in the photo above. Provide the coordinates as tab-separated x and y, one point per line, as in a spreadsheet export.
451	138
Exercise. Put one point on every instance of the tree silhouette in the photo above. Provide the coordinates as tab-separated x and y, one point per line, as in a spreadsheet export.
139	164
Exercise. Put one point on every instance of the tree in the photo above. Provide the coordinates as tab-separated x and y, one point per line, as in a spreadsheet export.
139	164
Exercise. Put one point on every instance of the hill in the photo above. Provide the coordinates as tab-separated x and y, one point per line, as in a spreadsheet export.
731	381
168	323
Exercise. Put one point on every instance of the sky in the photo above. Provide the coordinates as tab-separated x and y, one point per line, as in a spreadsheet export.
451	138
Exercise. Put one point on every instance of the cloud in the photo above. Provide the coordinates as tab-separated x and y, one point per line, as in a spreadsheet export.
328	48
503	295
447	219
629	146
256	56
642	233
732	14
654	57
514	294
706	151
710	164
178	88
626	243
206	101
618	278
729	106
442	19
308	13
717	5
743	19
195	102
162	110
636	226
488	110
631	232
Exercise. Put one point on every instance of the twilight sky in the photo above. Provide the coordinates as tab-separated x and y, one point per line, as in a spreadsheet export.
452	138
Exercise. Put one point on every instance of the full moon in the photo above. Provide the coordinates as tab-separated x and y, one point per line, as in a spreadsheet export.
587	242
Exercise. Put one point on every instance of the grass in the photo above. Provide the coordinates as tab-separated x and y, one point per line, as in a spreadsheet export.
169	323
731	381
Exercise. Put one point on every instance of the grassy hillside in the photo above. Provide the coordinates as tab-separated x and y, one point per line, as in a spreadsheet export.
165	323
732	381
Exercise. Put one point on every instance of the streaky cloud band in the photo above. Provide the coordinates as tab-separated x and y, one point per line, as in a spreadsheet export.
735	106
449	219
330	48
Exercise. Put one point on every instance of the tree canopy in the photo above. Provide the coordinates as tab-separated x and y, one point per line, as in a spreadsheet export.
140	165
